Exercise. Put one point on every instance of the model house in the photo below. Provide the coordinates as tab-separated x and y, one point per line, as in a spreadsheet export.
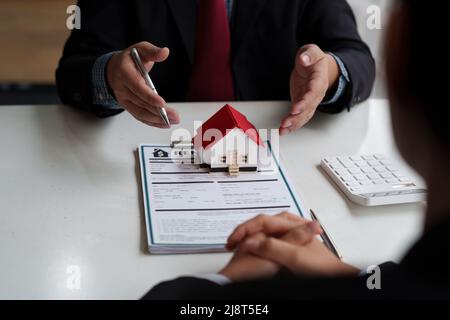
228	142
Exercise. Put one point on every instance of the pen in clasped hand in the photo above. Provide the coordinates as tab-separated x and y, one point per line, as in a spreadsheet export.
326	237
140	66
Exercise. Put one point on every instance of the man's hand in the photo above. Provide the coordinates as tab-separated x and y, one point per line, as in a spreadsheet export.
313	259
315	72
276	226
291	252
265	244
130	89
246	266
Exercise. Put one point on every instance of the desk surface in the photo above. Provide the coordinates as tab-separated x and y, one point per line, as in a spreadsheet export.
70	196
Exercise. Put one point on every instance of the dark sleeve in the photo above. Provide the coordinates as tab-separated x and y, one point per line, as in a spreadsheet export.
331	25
184	288
103	29
281	287
388	267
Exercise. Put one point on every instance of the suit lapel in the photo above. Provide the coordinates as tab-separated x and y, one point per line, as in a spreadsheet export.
185	15
245	15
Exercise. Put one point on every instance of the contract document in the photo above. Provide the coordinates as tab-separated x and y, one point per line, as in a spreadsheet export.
190	210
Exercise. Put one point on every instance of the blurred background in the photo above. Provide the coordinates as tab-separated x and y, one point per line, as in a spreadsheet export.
33	32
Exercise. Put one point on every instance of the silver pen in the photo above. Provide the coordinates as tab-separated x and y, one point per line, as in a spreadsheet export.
140	66
326	237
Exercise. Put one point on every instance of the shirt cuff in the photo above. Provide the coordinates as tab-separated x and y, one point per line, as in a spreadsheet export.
219	279
101	93
343	81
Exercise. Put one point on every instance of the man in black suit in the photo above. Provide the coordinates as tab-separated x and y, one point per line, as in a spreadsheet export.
308	51
265	245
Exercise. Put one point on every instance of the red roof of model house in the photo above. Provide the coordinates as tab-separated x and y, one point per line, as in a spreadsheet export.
225	120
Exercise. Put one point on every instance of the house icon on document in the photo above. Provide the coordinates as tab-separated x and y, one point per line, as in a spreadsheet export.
159	153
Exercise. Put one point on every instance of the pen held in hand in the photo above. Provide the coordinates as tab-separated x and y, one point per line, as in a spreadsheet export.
326	237
140	66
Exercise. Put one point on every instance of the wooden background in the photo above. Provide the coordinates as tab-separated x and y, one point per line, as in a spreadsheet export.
32	35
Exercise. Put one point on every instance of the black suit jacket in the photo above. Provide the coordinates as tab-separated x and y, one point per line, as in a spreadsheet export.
424	273
265	38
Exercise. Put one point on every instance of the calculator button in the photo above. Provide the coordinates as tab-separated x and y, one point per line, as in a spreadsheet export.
355	158
387	175
399	175
343	159
349	165
352	184
368	157
380	169
347	178
344	174
392	169
335	165
354	171
379	157
373	163
378	182
391	180
361	164
368	170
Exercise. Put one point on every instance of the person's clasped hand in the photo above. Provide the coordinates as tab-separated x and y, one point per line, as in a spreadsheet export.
315	72
266	244
129	87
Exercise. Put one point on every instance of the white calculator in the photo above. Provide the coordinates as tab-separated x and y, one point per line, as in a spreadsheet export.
373	180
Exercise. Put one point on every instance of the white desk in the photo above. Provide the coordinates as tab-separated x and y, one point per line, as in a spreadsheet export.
70	195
